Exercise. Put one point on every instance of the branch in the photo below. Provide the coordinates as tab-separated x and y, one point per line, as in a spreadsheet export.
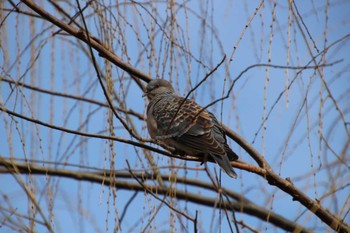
237	164
70	96
241	204
273	179
146	189
104	52
192	90
119	139
288	187
301	68
109	101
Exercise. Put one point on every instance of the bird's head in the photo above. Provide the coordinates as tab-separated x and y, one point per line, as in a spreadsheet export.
157	87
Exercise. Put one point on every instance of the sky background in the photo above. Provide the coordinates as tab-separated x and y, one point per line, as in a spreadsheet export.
203	34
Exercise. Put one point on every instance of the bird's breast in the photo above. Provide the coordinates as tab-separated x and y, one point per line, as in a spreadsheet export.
151	124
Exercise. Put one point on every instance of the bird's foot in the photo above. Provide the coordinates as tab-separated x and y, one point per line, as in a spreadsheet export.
204	158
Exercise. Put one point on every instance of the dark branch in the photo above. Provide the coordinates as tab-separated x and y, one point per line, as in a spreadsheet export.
240	204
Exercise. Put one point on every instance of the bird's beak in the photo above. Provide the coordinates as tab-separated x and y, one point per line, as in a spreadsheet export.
144	94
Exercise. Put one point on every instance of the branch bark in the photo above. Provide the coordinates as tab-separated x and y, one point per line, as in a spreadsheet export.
236	203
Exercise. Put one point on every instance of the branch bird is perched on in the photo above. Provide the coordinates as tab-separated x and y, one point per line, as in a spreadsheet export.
186	126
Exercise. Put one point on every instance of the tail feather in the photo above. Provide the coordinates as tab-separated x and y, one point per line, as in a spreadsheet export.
232	156
224	163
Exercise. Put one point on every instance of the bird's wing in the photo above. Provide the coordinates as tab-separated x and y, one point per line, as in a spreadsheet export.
189	124
220	136
175	117
206	144
193	128
197	128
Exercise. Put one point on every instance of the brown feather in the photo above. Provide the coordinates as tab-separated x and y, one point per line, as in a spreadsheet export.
185	125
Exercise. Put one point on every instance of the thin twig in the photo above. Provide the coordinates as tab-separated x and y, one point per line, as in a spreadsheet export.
141	145
193	89
70	96
263	65
100	79
156	197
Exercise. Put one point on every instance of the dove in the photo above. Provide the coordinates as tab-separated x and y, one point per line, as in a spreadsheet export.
184	125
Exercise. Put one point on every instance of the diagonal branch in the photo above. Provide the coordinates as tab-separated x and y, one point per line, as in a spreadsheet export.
95	44
287	186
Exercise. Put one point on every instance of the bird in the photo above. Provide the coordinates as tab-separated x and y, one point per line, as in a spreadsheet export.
184	125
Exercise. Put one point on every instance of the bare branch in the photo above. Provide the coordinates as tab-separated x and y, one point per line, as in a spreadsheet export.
242	205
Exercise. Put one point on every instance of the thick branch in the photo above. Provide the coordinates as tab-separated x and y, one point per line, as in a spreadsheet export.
242	204
287	186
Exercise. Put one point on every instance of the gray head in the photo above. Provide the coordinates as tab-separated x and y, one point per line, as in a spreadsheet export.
158	86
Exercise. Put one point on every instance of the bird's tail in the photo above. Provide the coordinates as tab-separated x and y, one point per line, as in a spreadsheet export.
224	163
232	156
